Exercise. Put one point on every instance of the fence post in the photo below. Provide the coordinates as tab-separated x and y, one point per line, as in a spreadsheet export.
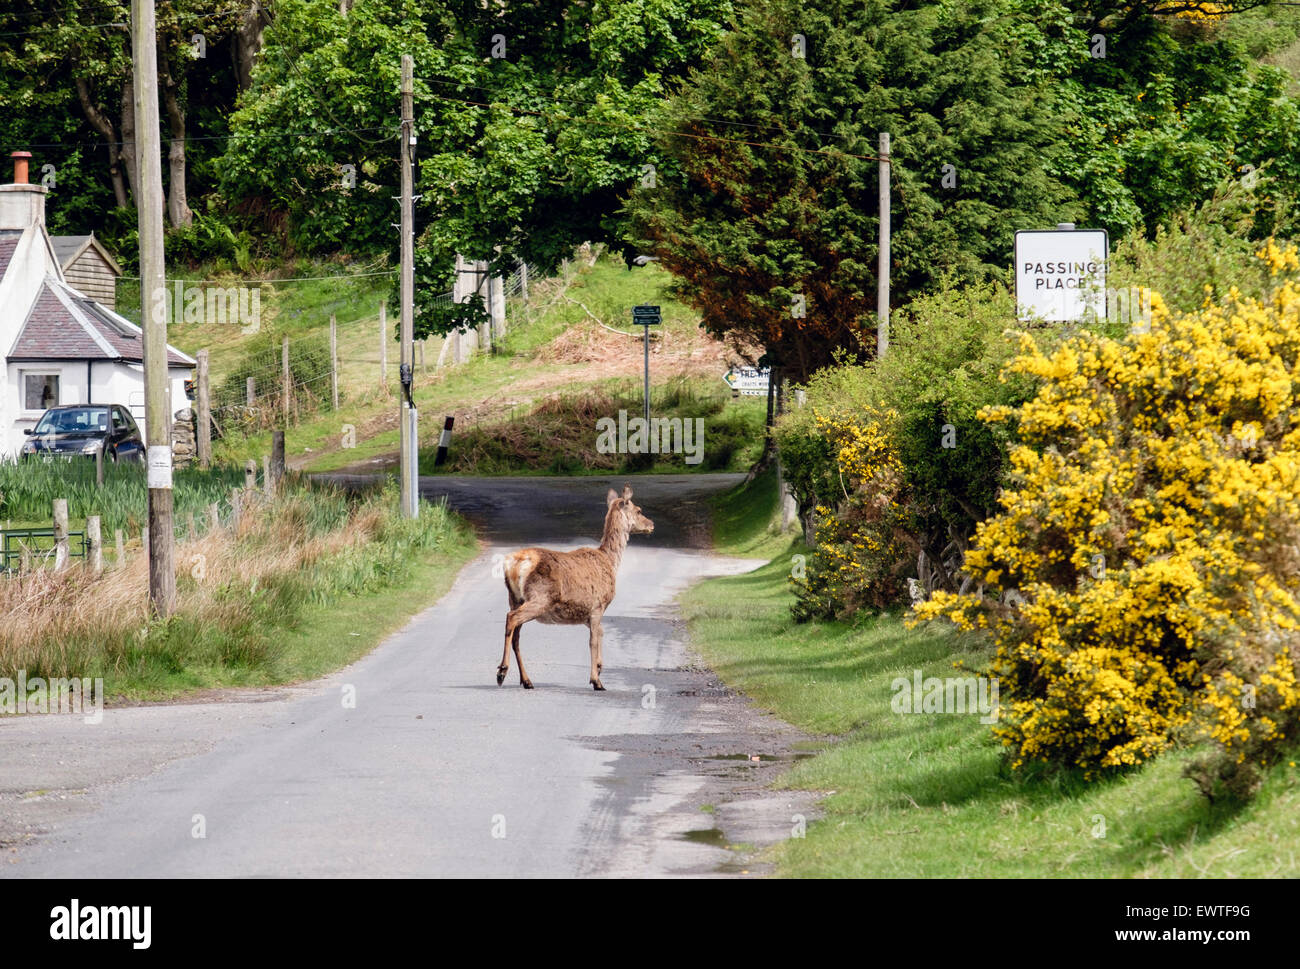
523	281
119	548
99	465
496	293
236	508
204	438
60	534
334	361
267	486
287	377
94	545
214	516
194	531
383	343
250	475
250	390
277	459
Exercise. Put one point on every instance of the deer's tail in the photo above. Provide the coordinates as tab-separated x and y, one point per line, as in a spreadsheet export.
518	566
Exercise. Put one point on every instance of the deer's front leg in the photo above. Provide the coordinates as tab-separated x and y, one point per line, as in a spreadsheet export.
593	624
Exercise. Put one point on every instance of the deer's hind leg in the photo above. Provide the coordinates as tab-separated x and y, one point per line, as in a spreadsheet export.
517	617
504	668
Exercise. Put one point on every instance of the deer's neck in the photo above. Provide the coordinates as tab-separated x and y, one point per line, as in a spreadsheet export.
613	542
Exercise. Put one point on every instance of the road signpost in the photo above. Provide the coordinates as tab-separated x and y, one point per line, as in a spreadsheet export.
748	381
1061	273
646	316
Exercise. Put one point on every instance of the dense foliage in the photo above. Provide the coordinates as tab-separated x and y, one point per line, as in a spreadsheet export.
1146	544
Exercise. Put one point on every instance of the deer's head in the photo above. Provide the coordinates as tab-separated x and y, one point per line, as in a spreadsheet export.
624	515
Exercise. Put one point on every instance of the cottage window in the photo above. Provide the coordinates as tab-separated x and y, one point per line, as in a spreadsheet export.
40	391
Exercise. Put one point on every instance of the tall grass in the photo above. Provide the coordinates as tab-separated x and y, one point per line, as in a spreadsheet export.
237	592
28	491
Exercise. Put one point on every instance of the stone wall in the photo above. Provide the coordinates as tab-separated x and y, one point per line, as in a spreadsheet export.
184	438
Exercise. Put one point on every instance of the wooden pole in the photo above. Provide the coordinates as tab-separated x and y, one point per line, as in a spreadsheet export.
406	350
267	484
250	388
214	516
277	460
334	361
94	545
286	377
250	475
383	343
882	262
99	465
205	412
60	534
153	302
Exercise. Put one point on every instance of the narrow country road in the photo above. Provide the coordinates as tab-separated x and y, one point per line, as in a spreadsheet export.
435	771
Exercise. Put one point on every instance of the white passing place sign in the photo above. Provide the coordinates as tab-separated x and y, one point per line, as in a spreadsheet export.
1061	274
159	471
748	381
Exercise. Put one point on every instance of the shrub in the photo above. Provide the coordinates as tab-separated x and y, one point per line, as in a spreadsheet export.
1148	544
947	352
861	544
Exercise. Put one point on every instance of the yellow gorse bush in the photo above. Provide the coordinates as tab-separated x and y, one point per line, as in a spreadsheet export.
858	542
1150	527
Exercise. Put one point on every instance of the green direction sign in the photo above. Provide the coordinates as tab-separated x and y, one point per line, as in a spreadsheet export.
646	316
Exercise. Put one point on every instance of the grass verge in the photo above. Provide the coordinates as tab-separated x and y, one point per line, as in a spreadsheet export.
305	583
927	795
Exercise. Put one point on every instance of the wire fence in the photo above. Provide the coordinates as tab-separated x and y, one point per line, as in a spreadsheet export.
277	383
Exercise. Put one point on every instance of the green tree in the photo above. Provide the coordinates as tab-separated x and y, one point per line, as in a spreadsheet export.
768	206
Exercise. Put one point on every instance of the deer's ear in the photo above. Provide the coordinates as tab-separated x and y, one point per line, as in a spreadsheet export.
611	498
627	491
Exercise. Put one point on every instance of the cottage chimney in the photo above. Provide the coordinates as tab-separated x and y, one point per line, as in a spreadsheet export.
21	204
20	166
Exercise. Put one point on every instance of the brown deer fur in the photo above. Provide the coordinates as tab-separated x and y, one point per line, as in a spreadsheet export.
571	588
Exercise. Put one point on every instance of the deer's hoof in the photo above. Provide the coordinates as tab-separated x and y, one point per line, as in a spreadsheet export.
597	685
526	684
501	675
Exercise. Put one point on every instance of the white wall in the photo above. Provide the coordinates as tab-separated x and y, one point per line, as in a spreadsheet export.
111	383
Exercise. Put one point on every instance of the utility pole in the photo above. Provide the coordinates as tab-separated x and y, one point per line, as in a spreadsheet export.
153	293
409	469
882	264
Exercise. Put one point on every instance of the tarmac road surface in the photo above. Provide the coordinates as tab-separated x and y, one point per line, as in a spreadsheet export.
435	770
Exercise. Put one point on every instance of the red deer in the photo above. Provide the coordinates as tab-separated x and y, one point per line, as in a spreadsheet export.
570	588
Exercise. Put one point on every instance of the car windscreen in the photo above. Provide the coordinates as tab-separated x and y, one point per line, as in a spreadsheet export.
72	420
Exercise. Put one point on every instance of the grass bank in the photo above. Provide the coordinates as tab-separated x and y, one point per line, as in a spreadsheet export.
306	583
926	795
564	434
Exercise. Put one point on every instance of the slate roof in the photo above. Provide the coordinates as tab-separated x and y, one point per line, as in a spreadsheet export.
64	325
7	247
66	247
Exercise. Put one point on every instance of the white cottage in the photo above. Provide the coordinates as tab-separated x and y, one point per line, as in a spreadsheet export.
61	347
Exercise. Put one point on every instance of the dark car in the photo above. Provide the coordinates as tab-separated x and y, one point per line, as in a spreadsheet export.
83	429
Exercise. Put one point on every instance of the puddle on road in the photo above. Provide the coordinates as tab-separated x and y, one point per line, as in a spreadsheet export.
761	758
713	837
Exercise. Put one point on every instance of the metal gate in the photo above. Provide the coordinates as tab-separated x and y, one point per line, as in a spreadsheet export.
38	543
